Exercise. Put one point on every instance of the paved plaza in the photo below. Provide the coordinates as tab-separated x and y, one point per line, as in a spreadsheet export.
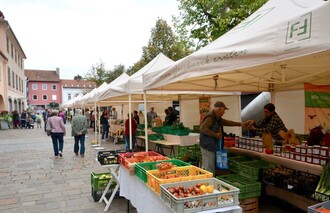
31	180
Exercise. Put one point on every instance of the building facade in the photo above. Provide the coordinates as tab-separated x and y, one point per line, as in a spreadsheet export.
12	78
44	89
74	88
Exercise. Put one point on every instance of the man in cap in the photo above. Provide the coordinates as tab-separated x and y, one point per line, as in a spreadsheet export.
211	131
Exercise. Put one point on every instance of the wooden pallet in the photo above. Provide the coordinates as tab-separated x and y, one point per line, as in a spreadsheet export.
249	205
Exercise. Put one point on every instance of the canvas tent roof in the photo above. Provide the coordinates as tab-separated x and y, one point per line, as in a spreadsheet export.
280	46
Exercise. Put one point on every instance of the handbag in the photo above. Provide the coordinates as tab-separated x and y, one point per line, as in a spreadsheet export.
221	156
48	128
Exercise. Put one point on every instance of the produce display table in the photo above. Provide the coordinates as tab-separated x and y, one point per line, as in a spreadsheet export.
160	144
114	171
289	163
114	128
145	200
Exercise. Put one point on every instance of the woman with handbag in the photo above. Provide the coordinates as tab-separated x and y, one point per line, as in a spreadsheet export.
57	128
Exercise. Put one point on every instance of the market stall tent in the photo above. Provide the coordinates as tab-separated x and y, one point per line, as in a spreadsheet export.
277	48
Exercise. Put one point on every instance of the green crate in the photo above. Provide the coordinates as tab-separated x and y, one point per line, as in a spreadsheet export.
141	168
99	183
252	169
233	162
182	132
157	129
247	187
193	151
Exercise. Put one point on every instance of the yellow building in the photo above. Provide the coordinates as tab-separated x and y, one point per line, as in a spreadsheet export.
12	78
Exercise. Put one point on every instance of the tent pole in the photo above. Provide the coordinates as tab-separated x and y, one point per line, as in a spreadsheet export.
95	133
130	121
145	119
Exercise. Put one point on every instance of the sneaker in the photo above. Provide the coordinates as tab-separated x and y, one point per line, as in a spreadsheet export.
60	153
56	157
76	153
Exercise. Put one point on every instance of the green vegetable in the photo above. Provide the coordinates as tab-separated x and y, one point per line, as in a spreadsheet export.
324	183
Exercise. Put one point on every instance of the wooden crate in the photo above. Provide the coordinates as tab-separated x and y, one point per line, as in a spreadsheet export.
249	205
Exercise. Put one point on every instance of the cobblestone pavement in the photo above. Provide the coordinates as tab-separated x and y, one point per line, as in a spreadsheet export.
31	180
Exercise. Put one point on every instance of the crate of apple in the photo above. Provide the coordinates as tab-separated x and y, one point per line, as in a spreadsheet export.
199	195
199	189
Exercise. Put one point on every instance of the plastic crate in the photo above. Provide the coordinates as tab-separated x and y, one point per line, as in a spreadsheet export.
247	188
233	162
217	199
176	174
107	157
141	168
278	176
251	169
129	159
313	209
99	183
182	132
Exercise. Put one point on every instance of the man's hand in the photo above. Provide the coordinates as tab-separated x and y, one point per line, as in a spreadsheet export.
218	135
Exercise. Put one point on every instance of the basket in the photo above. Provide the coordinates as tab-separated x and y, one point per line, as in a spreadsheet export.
176	174
141	168
247	188
182	132
107	157
251	169
320	197
207	201
313	209
129	159
233	162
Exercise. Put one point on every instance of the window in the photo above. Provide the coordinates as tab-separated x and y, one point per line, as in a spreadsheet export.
13	79
44	86
12	50
34	86
7	45
54	87
35	97
54	97
69	96
8	76
44	97
17	82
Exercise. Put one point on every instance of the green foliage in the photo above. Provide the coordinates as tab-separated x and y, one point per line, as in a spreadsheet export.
162	40
203	21
96	74
77	77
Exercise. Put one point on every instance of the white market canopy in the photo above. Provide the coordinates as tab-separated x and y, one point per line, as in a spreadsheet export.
280	46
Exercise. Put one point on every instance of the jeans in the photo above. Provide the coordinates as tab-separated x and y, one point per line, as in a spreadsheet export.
208	160
58	142
105	131
81	139
127	142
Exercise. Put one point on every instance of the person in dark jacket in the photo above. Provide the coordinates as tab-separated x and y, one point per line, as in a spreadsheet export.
105	124
127	134
211	131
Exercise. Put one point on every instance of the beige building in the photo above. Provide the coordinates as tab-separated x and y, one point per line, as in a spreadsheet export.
12	78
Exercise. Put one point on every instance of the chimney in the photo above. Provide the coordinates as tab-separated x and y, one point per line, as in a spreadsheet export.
58	72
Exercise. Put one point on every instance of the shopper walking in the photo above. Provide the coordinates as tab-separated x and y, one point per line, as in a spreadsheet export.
58	131
105	124
79	130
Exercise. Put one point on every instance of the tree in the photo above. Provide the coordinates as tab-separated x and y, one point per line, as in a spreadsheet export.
115	73
206	20
162	40
77	77
97	74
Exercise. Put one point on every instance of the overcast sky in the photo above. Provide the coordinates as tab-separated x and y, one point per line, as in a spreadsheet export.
73	35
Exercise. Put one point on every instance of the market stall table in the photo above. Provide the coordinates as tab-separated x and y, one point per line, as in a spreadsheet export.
115	177
147	201
286	162
161	144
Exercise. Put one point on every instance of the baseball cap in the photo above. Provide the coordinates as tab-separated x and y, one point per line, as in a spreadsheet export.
220	104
